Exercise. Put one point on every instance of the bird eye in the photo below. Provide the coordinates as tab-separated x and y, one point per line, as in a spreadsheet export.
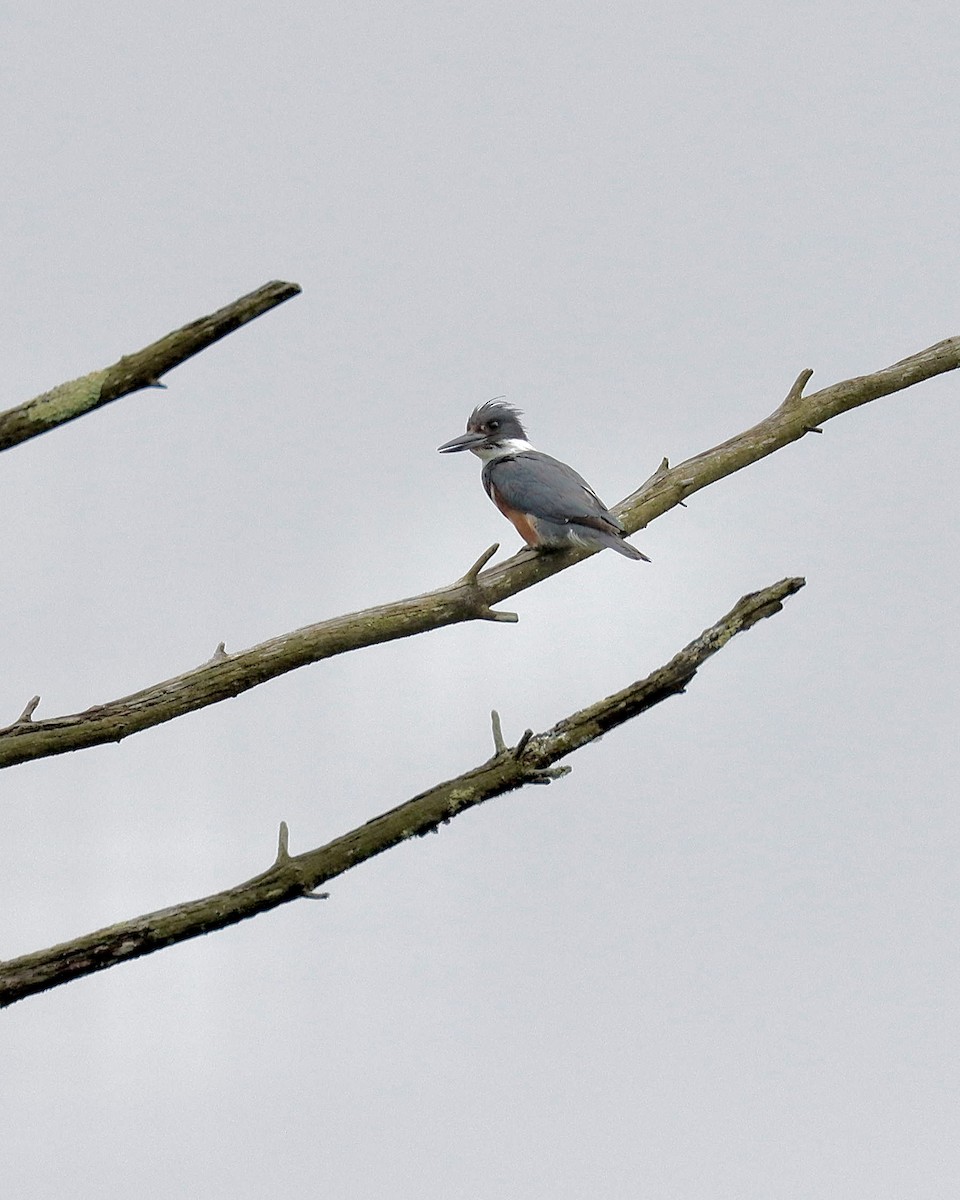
492	425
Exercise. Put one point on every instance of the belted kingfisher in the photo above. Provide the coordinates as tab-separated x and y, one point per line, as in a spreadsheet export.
548	502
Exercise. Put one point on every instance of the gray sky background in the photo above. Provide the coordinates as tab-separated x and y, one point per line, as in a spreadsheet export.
720	960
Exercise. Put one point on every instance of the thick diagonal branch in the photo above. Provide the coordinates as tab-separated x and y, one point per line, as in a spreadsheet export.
294	876
797	416
144	368
471	597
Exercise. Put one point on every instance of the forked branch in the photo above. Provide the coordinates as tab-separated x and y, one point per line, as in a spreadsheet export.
294	876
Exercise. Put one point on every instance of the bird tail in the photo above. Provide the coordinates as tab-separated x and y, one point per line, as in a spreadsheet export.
602	537
624	547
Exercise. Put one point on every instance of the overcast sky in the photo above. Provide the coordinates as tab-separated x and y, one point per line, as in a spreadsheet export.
719	960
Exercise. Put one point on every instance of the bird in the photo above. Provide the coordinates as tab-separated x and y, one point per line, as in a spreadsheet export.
549	504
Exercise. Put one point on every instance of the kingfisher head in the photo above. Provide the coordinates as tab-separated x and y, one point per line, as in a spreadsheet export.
494	429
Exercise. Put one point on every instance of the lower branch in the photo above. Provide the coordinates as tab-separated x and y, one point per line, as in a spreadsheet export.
294	876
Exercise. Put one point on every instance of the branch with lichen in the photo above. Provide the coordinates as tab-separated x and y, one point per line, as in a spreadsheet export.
293	876
470	598
142	369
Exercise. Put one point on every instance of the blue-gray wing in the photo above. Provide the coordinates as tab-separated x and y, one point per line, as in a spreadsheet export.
548	489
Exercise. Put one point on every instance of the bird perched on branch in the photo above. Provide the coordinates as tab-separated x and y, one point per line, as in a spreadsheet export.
550	505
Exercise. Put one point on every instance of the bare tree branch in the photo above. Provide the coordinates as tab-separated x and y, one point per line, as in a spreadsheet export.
144	368
294	876
224	675
470	598
797	415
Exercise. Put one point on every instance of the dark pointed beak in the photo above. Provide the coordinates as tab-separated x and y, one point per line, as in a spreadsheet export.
466	441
